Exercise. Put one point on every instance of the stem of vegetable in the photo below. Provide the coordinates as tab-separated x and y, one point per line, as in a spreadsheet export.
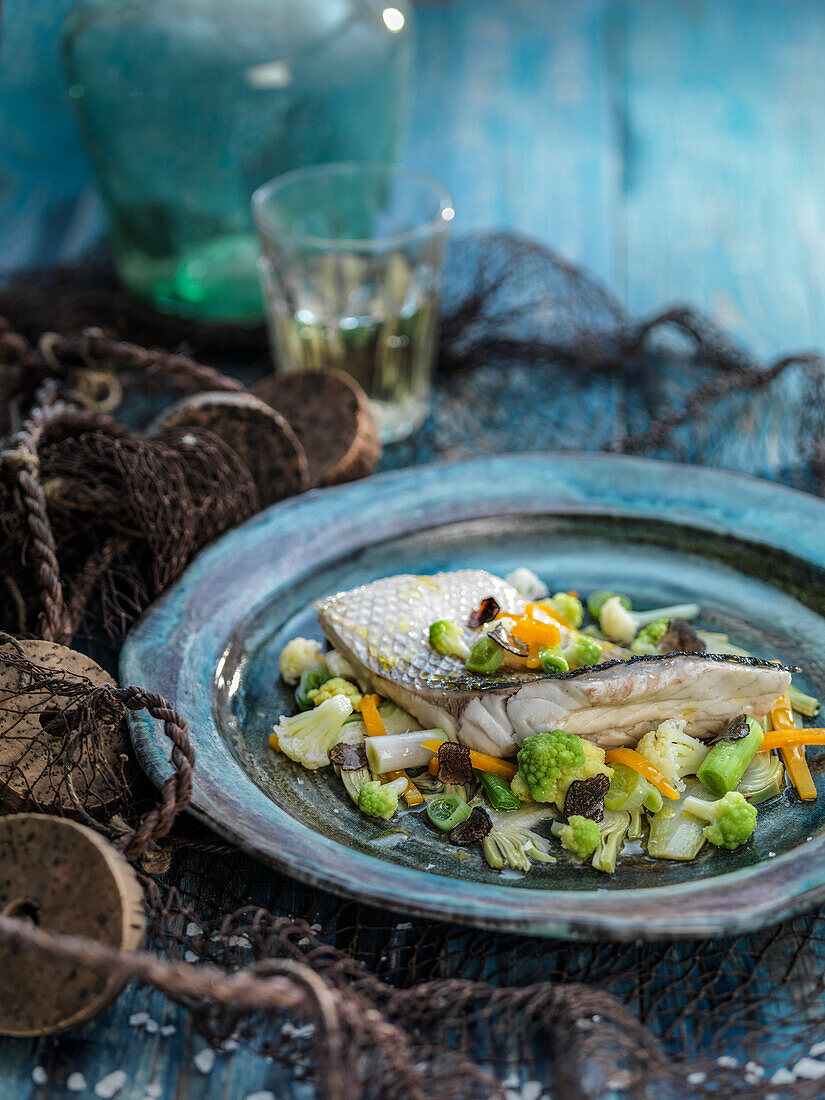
631	791
726	762
498	792
375	727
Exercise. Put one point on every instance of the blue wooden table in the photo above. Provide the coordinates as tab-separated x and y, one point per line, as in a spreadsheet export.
677	149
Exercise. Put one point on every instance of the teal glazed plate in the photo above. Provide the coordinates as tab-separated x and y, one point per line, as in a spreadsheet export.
750	552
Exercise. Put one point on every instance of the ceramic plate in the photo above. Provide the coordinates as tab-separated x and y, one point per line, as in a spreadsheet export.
750	552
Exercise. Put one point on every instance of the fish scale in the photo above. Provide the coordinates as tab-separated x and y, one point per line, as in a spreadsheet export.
382	628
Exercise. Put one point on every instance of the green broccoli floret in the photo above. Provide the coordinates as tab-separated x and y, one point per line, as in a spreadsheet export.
336	685
580	836
648	638
567	607
307	737
584	651
544	758
378	799
447	639
732	819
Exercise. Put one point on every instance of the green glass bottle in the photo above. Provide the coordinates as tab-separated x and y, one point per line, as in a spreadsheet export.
186	106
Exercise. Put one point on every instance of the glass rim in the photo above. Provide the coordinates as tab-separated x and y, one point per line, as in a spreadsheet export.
271	228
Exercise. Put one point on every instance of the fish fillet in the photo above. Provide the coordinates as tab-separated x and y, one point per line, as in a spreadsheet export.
382	629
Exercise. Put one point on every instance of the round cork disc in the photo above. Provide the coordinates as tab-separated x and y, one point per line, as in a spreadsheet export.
41	765
332	418
66	879
261	437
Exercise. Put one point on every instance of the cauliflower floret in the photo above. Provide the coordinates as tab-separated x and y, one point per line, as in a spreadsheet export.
617	623
672	751
527	584
307	737
297	656
731	820
336	686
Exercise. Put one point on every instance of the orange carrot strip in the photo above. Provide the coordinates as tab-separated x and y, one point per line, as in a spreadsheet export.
639	764
480	761
432	767
793	754
372	719
533	630
273	742
780	737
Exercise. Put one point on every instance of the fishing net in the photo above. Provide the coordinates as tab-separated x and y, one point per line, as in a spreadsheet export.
97	517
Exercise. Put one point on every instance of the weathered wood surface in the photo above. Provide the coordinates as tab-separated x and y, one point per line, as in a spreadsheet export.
677	149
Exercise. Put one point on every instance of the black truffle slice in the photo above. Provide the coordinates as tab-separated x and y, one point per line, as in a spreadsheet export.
735	730
349	758
502	637
680	637
484	613
585	797
454	764
473	830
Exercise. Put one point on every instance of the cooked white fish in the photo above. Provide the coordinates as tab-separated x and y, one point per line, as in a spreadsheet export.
382	629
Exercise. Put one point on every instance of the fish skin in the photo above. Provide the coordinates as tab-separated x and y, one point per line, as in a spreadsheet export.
382	628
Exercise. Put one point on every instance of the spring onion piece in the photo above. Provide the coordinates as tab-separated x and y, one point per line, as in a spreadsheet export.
639	764
445	811
630	791
311	679
552	660
480	761
675	834
727	760
764	778
397	751
498	792
485	656
803	704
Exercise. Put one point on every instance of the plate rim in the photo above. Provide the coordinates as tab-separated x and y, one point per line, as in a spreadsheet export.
596	913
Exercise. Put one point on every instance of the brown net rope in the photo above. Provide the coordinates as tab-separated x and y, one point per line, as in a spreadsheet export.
96	520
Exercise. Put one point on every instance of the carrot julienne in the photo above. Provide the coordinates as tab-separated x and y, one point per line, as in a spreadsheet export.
638	763
791	750
480	761
780	737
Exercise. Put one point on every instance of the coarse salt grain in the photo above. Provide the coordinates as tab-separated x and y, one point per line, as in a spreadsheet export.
230	1046
696	1078
265	1095
205	1060
193	929
153	1091
404	926
190	956
817	1049
726	1062
152	1026
783	1077
110	1085
39	1075
167	1030
532	1090
810	1069
138	1018
75	1082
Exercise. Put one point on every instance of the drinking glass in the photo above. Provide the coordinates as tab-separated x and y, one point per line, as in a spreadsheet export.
351	270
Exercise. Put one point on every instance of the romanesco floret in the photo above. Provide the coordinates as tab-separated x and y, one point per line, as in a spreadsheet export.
336	686
731	819
543	759
379	799
307	737
580	836
672	751
297	656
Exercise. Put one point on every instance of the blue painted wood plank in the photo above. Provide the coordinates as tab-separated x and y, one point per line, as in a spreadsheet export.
724	165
